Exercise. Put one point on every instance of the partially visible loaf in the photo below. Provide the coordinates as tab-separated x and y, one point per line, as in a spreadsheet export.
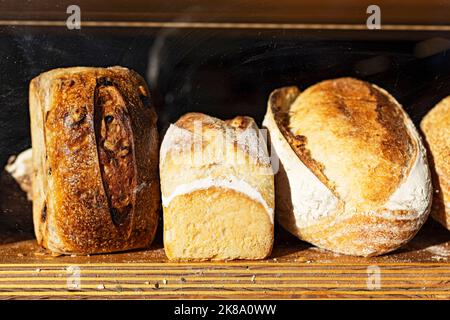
217	190
436	128
95	160
353	175
20	168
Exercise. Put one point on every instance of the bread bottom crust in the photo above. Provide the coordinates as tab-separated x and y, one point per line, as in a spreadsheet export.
216	224
113	247
361	234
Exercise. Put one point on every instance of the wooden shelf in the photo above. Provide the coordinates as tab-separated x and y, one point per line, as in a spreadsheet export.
299	272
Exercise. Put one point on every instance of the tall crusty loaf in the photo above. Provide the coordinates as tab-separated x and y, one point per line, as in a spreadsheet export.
95	160
436	128
353	174
217	190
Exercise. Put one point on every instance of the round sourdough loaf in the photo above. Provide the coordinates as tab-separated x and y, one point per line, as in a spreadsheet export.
217	190
436	128
353	174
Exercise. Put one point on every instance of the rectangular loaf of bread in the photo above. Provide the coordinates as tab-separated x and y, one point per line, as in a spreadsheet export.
95	160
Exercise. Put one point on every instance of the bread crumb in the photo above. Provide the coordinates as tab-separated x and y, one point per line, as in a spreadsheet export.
73	255
164	281
101	287
147	282
20	255
55	254
438	250
38	270
439	258
253	278
300	259
74	286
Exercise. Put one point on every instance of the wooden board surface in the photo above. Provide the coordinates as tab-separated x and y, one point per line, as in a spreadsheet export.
298	272
295	270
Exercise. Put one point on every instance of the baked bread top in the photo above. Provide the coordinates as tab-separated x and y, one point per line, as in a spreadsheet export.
232	152
360	133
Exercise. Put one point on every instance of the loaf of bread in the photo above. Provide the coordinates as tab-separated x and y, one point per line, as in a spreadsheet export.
20	167
436	128
95	160
353	174
217	190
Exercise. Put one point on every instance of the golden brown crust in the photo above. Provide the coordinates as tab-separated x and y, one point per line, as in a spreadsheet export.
115	152
88	206
365	124
229	130
280	102
188	121
436	128
361	149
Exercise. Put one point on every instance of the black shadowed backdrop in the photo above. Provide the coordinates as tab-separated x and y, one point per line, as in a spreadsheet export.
222	72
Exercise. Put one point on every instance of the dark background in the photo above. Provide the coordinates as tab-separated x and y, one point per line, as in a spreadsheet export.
222	72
